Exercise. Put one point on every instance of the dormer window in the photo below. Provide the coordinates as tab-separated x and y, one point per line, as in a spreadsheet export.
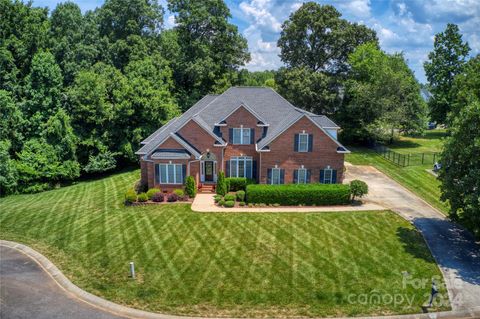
303	142
241	136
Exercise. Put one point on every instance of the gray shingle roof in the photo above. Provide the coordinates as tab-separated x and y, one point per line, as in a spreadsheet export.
171	154
264	102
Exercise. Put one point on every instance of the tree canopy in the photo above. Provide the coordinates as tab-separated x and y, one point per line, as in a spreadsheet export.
445	61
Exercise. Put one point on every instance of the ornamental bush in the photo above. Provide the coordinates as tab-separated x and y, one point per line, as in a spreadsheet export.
229	203
240	196
179	192
152	191
230	197
358	188
130	196
221	202
142	197
190	187
217	198
221	184
158	197
172	197
241	203
238	183
299	194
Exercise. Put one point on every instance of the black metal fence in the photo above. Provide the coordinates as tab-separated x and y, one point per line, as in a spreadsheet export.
412	159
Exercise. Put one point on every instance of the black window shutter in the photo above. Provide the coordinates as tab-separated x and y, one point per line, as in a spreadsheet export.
322	176
269	176
295	176
309	174
184	172
230	135
254	170
227	168
252	136
282	176
295	143
157	173
310	142
334	176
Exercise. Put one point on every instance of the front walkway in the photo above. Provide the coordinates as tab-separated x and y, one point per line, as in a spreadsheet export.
453	247
205	203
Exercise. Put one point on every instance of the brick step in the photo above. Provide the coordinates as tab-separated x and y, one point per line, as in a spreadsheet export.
207	189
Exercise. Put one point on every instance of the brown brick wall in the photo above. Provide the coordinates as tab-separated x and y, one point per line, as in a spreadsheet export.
241	117
282	153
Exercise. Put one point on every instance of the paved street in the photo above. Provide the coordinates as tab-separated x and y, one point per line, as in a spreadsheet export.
28	292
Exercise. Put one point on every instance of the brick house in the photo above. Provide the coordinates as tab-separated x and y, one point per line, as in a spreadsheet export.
245	132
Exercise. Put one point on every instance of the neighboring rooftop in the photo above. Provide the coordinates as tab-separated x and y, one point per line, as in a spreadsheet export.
268	106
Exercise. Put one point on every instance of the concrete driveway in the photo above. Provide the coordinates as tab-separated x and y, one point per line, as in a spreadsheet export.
26	291
454	248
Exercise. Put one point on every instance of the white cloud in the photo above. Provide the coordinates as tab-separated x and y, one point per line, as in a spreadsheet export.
259	10
357	8
170	22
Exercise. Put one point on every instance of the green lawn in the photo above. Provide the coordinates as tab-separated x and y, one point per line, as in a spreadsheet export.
213	264
430	142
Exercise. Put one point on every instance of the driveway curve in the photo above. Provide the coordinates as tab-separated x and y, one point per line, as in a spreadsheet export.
453	247
27	291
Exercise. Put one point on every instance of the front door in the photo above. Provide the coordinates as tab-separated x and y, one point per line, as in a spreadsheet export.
208	171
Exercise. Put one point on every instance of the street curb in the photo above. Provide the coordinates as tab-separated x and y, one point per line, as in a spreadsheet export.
128	312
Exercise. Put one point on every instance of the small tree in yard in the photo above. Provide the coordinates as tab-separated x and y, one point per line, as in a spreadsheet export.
358	189
190	187
221	184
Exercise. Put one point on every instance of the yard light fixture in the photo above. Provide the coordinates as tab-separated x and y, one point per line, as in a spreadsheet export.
132	270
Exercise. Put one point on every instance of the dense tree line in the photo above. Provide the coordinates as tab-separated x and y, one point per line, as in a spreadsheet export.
78	92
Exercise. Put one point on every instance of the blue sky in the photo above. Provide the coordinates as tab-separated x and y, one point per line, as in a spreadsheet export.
406	26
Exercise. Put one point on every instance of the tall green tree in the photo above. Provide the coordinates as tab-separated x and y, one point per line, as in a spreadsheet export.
8	170
466	86
58	132
315	43
11	120
445	61
460	173
74	43
211	47
381	97
317	38
43	91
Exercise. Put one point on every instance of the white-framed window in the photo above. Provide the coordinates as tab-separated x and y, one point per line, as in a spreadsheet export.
241	135
303	142
241	166
327	175
276	176
170	174
302	176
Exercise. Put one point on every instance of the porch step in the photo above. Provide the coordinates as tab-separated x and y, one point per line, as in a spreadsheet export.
207	189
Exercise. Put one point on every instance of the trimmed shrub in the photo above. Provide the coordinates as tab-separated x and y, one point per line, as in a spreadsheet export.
190	187
130	196
172	197
221	202
158	197
229	203
217	198
152	191
227	183
358	188
179	192
142	197
241	196
238	183
230	197
299	194
241	203
221	184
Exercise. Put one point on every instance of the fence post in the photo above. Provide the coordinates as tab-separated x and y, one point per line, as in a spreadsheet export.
434	154
423	157
408	162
